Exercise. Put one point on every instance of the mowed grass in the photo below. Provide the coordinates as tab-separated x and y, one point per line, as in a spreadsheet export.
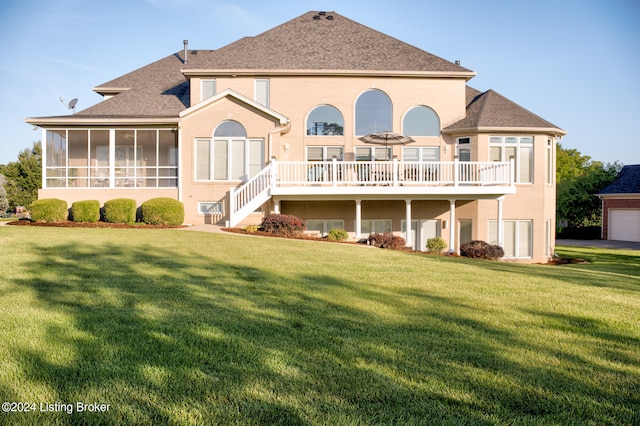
182	327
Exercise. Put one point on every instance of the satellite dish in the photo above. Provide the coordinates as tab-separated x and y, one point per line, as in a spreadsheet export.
71	105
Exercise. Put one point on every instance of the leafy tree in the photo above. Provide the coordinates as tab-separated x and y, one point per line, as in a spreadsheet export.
579	179
24	177
4	201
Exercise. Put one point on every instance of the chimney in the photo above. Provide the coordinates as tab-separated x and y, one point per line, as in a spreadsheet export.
186	46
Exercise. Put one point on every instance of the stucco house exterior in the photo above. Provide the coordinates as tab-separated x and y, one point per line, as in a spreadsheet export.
621	206
273	123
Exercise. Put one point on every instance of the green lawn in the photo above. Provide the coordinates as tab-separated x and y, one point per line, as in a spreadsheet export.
181	327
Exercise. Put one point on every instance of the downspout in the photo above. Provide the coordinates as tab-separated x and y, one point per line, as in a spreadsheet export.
282	129
179	161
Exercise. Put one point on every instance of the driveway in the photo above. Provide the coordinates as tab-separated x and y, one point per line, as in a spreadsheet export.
626	245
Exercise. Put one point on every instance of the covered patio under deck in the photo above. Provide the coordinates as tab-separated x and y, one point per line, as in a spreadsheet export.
408	198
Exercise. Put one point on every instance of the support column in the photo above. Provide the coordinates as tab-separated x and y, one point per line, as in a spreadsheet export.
500	223
452	226
358	230
409	239
276	206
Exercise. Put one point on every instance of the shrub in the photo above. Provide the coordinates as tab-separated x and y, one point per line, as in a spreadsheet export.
251	229
388	241
481	250
85	211
49	210
120	210
282	224
436	245
337	235
163	211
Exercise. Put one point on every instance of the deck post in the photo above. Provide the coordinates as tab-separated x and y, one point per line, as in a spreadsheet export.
409	236
452	226
358	230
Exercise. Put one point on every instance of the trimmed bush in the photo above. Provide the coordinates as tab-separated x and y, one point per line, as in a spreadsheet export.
282	225
120	210
85	211
49	210
163	211
436	245
251	229
481	250
337	235
387	241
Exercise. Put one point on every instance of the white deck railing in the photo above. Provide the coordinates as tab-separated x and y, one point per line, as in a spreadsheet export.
255	192
395	173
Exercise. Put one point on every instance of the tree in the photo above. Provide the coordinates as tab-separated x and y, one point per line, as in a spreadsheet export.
579	179
4	201
24	177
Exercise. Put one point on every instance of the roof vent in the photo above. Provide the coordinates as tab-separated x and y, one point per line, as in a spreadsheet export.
186	48
316	17
330	17
457	61
322	13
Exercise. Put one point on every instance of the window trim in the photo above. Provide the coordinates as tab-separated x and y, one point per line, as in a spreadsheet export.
217	205
229	160
202	92
517	160
492	239
266	95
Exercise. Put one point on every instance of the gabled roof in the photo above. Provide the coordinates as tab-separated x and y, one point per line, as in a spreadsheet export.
228	93
491	111
627	182
326	41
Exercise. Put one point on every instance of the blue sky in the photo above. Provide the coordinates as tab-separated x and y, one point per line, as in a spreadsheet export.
573	62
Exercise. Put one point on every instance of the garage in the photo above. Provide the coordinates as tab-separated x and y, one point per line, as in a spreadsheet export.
624	224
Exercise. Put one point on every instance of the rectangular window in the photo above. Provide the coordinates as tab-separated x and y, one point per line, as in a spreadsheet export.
547	238
323	227
208	89
421	154
261	90
371	153
110	158
210	207
324	153
516	148
378	226
517	235
228	158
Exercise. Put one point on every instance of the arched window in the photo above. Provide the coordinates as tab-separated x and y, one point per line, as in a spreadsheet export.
373	113
230	128
421	121
325	120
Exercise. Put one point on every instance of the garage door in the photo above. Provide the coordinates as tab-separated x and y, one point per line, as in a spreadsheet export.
624	224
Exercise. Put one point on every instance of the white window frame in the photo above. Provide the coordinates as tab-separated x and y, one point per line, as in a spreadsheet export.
421	153
518	144
325	152
203	93
326	228
376	153
229	160
463	144
216	208
493	237
375	224
550	169
262	94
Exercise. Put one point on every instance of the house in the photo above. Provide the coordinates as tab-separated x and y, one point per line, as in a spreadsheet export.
621	206
273	123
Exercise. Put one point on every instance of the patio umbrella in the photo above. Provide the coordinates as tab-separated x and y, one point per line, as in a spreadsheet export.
386	139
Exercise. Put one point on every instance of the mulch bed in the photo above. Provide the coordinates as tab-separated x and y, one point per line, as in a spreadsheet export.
71	224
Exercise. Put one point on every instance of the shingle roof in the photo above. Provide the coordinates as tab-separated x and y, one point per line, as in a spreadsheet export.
492	110
326	41
627	182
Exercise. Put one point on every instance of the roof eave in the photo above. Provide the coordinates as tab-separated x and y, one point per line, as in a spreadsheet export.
619	195
465	130
467	75
248	101
100	121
